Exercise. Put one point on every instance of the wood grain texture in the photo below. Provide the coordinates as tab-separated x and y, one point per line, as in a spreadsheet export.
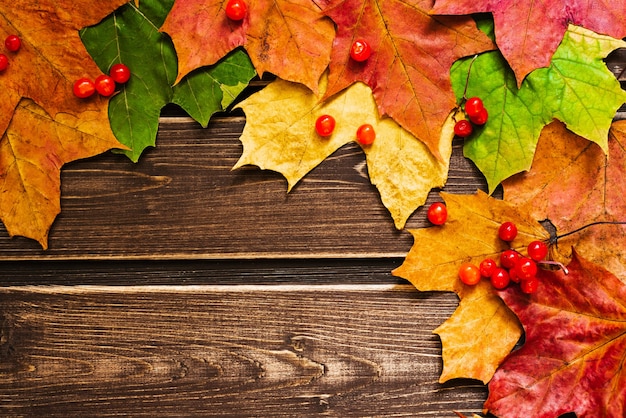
223	350
183	201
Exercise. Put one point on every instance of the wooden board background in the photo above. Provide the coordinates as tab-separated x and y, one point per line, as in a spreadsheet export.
178	287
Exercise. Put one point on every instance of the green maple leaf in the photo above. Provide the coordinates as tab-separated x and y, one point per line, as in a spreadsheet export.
577	88
131	35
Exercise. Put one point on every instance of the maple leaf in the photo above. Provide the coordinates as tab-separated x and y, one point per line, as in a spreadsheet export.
469	234
573	183
30	169
280	135
51	57
577	88
573	356
134	112
412	52
528	32
289	38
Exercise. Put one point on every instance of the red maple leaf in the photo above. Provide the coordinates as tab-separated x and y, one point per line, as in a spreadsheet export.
412	52
574	355
528	32
289	38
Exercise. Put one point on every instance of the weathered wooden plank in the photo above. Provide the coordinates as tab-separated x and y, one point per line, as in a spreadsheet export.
221	350
183	201
199	272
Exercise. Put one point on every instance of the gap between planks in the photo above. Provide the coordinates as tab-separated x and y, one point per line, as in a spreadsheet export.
203	289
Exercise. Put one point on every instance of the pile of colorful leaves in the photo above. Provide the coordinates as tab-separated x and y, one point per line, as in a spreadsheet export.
550	140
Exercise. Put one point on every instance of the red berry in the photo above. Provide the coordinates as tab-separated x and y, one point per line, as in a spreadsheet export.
13	43
473	106
481	118
325	125
437	213
120	73
513	275
360	50
508	258
500	278
236	9
530	285
507	231
537	250
366	134
463	128
4	62
83	88
525	268
469	273
487	267
105	85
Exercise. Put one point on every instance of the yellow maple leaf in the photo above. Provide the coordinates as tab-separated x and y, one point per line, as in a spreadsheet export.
482	331
280	135
32	151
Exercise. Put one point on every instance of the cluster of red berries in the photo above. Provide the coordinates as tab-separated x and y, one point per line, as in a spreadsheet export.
514	267
477	115
12	43
104	84
325	125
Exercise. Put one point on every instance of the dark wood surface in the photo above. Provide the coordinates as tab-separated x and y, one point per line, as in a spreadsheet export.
178	287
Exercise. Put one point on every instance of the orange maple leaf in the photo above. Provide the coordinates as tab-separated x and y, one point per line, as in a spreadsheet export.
290	39
52	56
42	124
470	234
573	183
30	178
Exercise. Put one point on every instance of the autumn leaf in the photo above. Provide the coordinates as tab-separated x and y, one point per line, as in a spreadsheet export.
577	88
42	124
290	39
408	70
51	57
131	36
32	151
529	32
573	183
280	135
573	356
470	234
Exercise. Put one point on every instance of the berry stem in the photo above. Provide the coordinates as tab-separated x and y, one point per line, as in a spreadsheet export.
555	238
555	263
469	71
